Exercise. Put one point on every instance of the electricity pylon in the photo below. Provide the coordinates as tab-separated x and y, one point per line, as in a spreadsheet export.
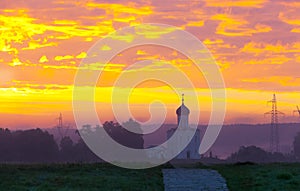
274	137
297	111
62	130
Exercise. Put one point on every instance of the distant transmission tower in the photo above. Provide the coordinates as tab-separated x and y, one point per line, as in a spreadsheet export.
62	130
60	121
297	111
274	138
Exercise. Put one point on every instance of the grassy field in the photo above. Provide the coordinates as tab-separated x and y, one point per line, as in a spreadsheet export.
239	177
250	177
78	177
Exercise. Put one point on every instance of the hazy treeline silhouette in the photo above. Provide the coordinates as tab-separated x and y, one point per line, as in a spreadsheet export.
258	155
38	146
27	146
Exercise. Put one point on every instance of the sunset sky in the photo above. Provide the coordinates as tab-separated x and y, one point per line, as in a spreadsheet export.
256	44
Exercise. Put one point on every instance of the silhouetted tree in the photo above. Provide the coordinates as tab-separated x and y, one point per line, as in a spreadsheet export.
67	149
256	155
132	125
83	153
123	136
34	145
66	143
296	145
6	145
249	154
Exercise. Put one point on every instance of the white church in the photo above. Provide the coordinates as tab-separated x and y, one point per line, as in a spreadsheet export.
191	151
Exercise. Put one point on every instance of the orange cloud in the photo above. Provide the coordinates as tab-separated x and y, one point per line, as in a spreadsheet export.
236	3
296	30
43	59
213	42
119	8
66	57
275	59
15	62
105	47
294	4
260	48
35	44
81	55
233	25
292	18
195	23
282	80
152	32
141	52
65	22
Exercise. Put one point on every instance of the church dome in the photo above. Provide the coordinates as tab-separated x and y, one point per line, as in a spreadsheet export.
183	110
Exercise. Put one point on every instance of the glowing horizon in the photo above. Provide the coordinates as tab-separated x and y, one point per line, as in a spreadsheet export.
255	43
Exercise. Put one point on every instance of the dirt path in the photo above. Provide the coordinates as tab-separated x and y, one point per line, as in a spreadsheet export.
193	179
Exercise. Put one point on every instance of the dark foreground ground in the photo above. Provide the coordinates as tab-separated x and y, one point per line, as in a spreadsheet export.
280	177
78	177
267	177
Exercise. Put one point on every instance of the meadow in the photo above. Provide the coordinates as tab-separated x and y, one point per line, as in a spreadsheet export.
239	177
78	177
261	177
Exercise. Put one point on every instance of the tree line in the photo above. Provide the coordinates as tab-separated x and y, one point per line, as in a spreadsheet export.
38	146
258	155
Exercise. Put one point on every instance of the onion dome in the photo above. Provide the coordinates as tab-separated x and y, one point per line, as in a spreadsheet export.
183	110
